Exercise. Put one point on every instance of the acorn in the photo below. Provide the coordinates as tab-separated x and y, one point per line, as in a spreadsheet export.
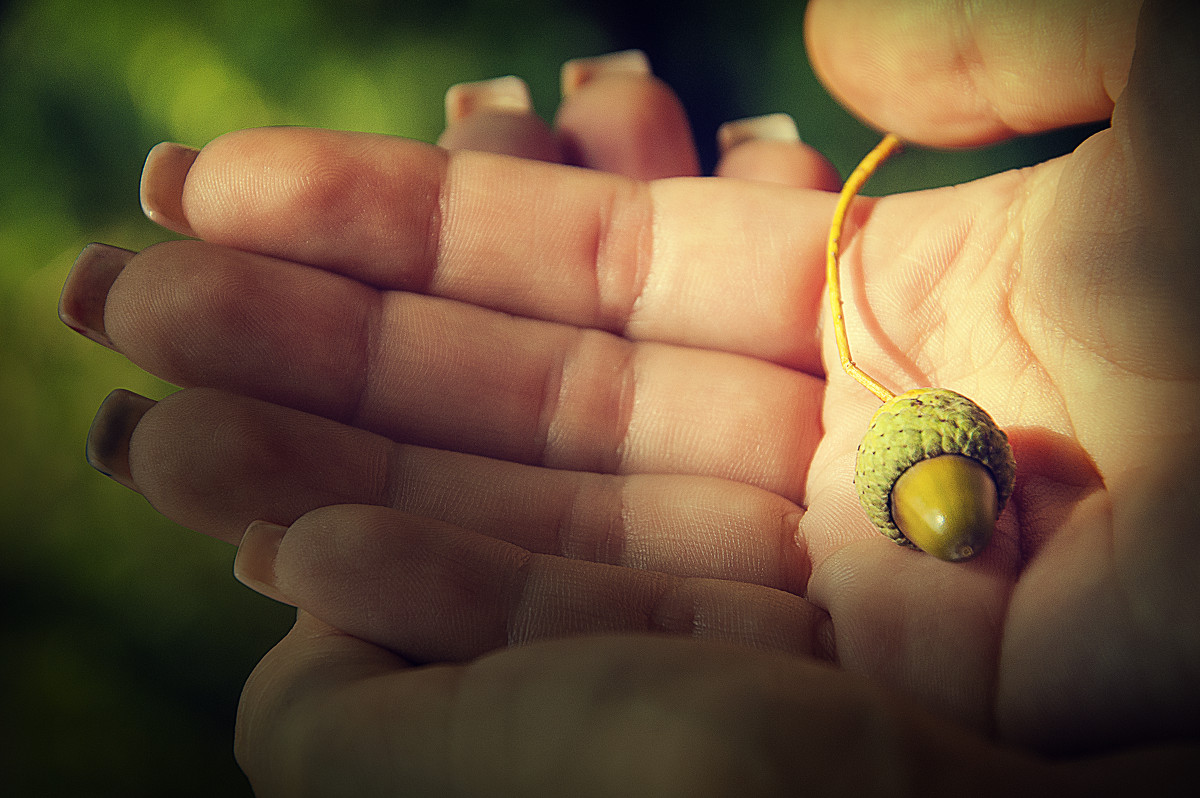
934	471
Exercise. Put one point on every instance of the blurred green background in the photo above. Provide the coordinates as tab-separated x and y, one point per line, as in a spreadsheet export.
125	640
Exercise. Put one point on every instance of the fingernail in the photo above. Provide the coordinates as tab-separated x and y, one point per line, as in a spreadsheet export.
113	426
161	190
81	304
254	565
581	71
509	93
771	127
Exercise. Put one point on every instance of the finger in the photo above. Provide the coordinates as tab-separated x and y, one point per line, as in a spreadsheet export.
269	462
617	117
453	376
956	75
734	266
434	592
497	116
768	149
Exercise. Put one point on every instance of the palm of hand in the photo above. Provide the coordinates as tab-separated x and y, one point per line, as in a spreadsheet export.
1067	627
1067	314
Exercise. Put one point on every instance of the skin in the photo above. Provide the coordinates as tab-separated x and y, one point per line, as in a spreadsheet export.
495	439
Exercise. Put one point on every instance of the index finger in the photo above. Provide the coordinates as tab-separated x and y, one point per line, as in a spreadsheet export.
701	262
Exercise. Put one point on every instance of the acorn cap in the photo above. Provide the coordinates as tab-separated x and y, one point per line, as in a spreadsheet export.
917	425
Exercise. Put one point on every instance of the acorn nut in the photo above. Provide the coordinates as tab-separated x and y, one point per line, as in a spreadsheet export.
934	471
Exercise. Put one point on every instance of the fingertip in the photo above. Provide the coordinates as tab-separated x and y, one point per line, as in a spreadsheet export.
507	93
85	291
768	127
161	186
109	437
768	149
974	76
795	165
617	117
254	564
902	70
504	133
497	116
578	72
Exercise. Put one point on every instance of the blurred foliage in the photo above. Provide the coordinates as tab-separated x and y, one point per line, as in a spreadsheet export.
125	639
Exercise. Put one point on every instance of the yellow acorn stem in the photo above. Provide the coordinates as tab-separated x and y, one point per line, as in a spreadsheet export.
853	183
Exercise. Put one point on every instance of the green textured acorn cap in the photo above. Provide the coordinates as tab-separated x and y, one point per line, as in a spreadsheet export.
915	426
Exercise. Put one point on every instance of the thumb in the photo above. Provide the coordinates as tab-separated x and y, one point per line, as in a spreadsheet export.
1157	115
946	73
1126	211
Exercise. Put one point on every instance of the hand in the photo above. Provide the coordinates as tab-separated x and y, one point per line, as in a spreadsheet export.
1089	471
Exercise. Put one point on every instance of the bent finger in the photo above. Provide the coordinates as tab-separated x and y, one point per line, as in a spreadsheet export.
617	117
497	116
434	592
768	149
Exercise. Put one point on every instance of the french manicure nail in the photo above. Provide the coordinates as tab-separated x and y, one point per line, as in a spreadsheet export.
111	430
508	93
161	188
81	304
254	565
581	71
770	127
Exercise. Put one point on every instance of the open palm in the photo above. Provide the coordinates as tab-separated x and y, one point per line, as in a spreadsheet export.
597	404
